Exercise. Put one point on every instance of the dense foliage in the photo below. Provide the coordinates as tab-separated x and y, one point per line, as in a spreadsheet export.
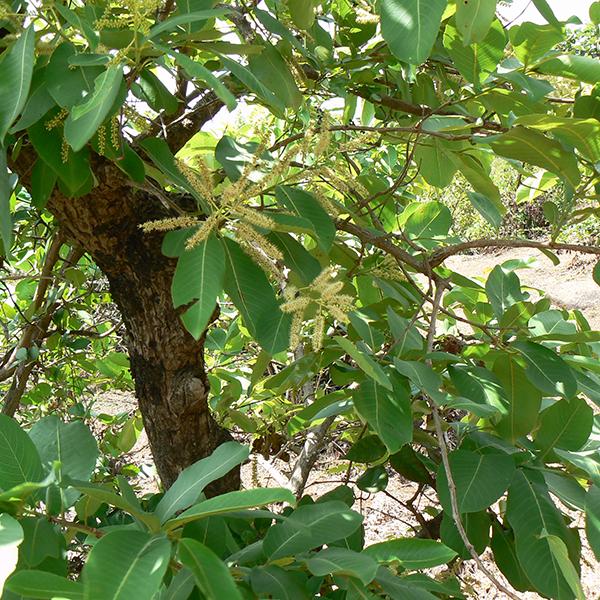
303	254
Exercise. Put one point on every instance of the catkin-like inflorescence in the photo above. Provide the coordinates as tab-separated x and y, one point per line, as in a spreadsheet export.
208	226
169	224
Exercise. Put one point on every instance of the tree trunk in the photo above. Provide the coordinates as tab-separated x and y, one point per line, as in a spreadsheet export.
167	364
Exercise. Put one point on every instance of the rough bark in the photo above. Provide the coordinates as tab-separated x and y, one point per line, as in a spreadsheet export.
167	364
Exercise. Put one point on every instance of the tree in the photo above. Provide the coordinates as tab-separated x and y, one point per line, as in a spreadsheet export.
309	230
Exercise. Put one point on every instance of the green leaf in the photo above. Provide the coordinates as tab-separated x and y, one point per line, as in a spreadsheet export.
561	555
531	512
367	364
249	289
197	70
199	279
41	584
310	526
11	536
19	459
592	519
72	444
302	13
388	412
546	370
192	480
477	528
503	289
548	14
566	424
580	68
42	540
150	89
305	205
480	479
296	257
487	209
474	173
272	581
410	27
212	576
231	502
125	564
16	70
524	400
367	449
432	159
473	19
428	220
6	225
341	561
595	13
481	386
373	480
476	62
74	175
255	86
85	118
181	586
160	154
176	21
102	494
505	556
536	149
270	68
67	84
411	553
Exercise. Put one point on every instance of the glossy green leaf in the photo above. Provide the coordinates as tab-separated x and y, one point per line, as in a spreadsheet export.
524	400
560	554
270	68
566	424
487	209
547	12
536	149
303	13
275	582
373	480
19	459
341	561
197	70
16	70
85	118
546	370
212	576
255	85
480	479
199	279
531	513
412	553
249	289
231	502
410	27
125	564
481	386
192	480
368	364
305	205
310	526
176	21
41	584
388	412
